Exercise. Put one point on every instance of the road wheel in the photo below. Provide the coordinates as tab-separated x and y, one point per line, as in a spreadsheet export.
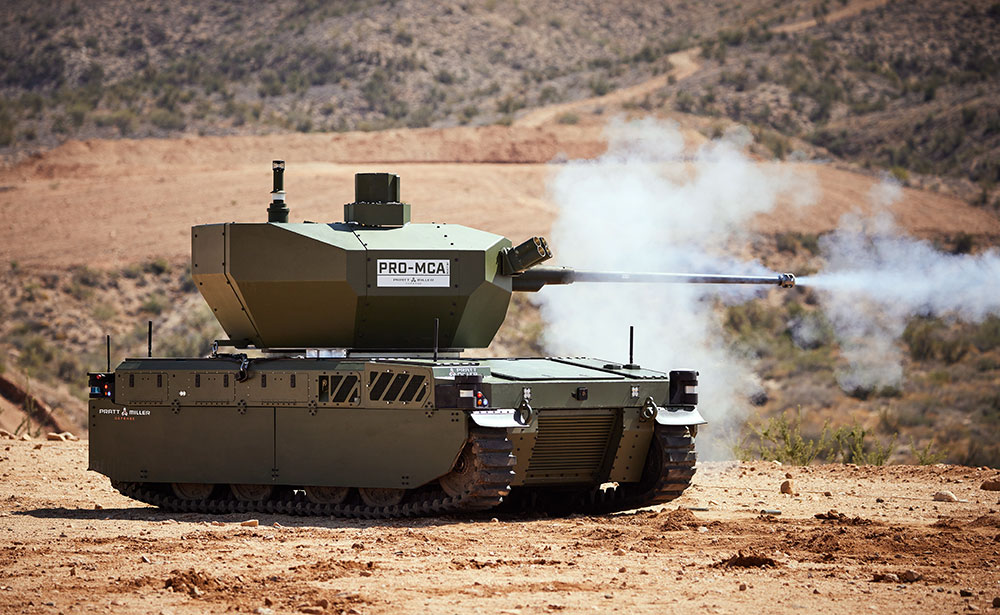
327	495
251	493
192	491
381	496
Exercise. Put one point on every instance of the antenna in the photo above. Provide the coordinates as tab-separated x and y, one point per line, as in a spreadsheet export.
149	340
631	348
437	325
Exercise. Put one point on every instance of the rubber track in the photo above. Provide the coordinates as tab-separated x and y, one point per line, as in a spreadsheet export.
492	483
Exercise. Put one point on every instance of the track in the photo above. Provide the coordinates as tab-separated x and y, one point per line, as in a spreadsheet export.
487	482
668	472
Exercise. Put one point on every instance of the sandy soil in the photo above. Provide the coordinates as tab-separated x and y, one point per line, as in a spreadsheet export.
70	544
110	203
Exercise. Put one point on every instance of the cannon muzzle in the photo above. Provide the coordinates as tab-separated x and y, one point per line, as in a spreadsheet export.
535	278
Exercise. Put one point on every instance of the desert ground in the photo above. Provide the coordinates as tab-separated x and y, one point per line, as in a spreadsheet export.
881	543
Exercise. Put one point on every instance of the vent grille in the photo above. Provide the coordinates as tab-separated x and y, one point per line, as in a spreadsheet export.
337	388
391	387
571	447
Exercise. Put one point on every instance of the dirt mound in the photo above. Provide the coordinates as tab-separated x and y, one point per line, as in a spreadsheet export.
192	582
334	569
842	519
679	519
990	520
748	560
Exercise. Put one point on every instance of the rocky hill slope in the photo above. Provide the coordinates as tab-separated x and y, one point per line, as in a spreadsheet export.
908	86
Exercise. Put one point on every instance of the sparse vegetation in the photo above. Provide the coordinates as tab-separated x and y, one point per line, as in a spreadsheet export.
154	305
781	438
214	71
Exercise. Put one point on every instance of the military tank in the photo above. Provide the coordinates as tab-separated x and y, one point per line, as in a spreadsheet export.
342	389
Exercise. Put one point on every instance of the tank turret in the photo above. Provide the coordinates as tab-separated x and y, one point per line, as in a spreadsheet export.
376	281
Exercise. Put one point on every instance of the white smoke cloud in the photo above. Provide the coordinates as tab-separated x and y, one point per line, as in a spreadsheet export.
648	206
877	278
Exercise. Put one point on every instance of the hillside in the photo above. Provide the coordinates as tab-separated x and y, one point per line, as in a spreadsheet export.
97	215
187	67
123	260
905	86
909	86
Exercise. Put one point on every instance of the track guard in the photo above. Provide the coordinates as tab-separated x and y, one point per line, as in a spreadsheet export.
501	418
679	416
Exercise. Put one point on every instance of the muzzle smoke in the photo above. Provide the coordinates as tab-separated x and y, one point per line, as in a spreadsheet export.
876	279
646	206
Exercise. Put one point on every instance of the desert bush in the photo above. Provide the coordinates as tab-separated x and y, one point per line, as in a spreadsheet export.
33	292
167	120
79	291
69	369
35	353
684	102
403	38
752	316
986	335
420	117
569	118
900	173
445	77
964	243
156	266
85	276
509	104
785	242
599	86
469	112
194	336
781	439
103	312
852	445
122	119
927	455
154	305
77	113
8	126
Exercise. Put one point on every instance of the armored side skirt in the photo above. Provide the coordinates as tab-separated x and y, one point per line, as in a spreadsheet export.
374	424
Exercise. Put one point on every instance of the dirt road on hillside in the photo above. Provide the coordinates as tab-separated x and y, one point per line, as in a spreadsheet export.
70	544
112	203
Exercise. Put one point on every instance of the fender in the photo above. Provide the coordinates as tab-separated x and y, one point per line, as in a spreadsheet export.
682	416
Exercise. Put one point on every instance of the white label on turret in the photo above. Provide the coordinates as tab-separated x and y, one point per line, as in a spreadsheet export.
413	272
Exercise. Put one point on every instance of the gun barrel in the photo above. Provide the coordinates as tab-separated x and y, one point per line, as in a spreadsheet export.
535	278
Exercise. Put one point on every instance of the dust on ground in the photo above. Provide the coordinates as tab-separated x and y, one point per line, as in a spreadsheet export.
72	544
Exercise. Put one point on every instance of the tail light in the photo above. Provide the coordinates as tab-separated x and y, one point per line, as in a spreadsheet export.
102	385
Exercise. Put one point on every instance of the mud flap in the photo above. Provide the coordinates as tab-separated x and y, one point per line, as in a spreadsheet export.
501	418
679	415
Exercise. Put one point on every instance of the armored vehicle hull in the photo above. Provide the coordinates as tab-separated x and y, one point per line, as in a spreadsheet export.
390	437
